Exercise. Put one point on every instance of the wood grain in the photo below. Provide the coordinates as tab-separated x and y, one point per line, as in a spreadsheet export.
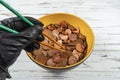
103	17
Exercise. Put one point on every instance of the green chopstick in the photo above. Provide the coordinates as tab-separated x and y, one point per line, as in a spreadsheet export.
8	29
17	14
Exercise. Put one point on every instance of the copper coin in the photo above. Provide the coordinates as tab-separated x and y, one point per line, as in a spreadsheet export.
79	47
68	31
72	60
72	37
50	62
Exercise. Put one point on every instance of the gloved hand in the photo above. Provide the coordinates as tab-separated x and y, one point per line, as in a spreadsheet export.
12	44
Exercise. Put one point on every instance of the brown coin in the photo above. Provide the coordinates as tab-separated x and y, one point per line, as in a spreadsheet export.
41	59
64	56
63	37
50	62
55	33
63	24
68	31
56	59
51	27
76	54
79	47
73	43
37	52
72	37
64	62
56	26
52	52
72	60
68	52
69	47
77	30
60	29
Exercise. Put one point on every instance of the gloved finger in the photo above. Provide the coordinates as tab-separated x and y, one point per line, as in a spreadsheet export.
32	31
29	49
18	24
29	35
33	46
22	39
14	23
40	38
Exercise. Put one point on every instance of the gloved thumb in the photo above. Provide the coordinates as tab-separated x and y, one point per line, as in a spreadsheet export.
31	34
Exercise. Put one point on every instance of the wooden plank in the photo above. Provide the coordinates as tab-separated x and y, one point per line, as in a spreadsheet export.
98	61
47	75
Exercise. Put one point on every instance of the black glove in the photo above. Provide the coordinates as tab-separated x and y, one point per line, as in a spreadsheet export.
12	44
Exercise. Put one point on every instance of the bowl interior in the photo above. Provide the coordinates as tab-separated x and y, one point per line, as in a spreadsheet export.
75	21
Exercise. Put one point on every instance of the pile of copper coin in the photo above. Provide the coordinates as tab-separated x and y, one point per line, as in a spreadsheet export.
68	36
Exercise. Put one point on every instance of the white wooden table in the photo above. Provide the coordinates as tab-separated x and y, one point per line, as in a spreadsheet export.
104	18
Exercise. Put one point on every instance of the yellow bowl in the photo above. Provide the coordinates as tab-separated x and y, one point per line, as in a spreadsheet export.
75	21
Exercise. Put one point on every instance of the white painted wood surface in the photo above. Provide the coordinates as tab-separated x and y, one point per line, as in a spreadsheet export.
104	18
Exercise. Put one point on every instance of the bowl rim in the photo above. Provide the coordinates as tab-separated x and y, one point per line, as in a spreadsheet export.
73	65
